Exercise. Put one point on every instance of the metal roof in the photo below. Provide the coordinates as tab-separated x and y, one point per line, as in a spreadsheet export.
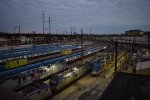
43	63
5	54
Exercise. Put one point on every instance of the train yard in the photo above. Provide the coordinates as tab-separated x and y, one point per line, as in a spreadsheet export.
47	71
74	50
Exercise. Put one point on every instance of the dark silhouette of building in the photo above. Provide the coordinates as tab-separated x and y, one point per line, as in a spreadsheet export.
127	86
134	32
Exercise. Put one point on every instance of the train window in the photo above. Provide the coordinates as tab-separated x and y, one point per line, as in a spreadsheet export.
14	78
46	89
33	70
17	62
48	66
4	63
39	92
28	72
75	75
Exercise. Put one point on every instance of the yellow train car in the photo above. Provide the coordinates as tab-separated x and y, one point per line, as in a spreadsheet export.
66	52
15	63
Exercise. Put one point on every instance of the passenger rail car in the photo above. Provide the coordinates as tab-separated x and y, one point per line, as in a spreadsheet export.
33	75
53	55
30	73
38	91
97	66
34	56
24	52
15	63
62	80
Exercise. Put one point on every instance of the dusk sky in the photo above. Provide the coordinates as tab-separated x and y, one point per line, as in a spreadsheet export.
101	16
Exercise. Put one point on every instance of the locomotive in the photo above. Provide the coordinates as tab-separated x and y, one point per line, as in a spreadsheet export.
37	91
60	81
97	66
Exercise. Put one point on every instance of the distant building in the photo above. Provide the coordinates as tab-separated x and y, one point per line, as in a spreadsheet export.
134	32
137	32
143	66
146	32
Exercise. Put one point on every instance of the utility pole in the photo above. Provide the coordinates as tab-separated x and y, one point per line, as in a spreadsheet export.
17	38
109	39
43	22
90	35
81	42
50	25
71	30
116	46
33	39
14	29
74	29
148	40
135	41
19	29
132	45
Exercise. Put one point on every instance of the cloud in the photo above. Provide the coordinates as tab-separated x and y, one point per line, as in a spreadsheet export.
79	13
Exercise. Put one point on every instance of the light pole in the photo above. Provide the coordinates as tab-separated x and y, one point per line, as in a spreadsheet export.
148	40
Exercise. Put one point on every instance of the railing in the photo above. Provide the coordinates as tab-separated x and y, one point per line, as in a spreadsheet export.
108	69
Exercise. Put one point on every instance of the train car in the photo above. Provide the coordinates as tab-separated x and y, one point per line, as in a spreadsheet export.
96	69
38	91
62	80
2	68
66	52
96	66
30	73
15	63
37	54
33	75
26	56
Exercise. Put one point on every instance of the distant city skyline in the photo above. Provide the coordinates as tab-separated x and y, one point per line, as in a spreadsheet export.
99	16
